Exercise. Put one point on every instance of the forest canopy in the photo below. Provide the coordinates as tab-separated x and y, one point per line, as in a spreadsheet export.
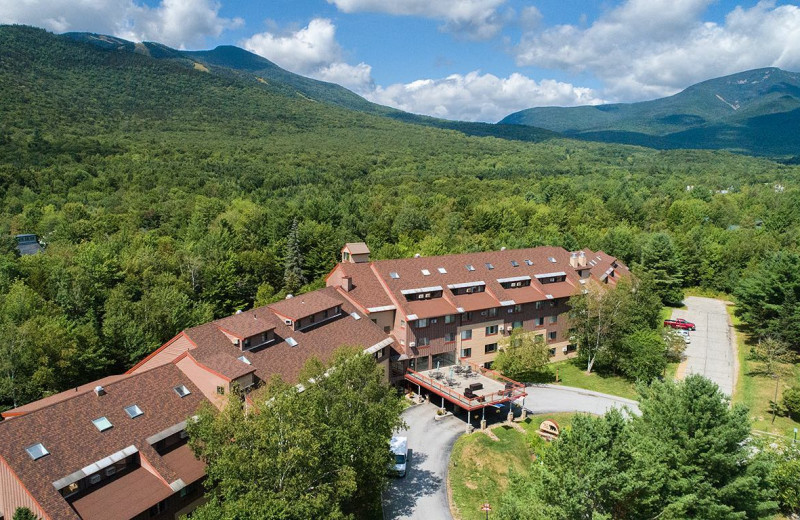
168	197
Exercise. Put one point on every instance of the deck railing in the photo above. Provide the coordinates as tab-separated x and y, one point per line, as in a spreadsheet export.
513	390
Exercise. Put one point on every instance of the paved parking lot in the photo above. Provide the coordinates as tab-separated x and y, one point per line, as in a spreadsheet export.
712	351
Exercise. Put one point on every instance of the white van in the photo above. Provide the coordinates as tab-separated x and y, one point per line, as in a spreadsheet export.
399	448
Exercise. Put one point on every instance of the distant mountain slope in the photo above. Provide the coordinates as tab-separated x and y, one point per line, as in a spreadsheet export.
231	61
757	112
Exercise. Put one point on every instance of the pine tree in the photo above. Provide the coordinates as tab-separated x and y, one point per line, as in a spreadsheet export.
293	277
660	260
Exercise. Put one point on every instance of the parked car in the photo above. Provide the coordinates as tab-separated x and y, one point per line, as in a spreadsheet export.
680	324
399	449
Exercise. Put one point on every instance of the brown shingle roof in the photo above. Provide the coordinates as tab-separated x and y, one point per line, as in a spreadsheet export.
357	248
65	429
125	497
416	273
278	357
305	305
57	398
367	289
249	323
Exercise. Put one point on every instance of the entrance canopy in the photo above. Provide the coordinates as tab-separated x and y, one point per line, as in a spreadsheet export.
468	385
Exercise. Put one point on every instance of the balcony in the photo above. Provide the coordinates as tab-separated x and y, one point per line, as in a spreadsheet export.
488	387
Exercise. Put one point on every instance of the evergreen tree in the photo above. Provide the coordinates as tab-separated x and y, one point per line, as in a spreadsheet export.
293	277
660	260
23	513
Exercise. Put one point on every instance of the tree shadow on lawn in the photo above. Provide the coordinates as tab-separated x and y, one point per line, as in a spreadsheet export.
400	499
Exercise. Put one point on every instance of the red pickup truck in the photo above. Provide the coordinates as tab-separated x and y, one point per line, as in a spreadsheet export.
679	324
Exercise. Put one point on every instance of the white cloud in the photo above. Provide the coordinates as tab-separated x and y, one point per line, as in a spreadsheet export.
177	23
357	78
312	51
303	51
651	48
475	19
480	97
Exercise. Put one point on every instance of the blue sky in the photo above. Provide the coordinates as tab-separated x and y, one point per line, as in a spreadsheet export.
463	59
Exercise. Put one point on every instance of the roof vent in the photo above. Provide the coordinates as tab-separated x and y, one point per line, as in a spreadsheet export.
99	390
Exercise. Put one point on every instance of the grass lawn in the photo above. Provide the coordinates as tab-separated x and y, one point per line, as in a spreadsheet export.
756	390
479	466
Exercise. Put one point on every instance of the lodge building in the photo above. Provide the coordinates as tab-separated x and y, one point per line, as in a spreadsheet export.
459	307
116	448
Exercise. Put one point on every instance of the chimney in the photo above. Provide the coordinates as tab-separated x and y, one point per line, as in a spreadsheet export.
99	390
573	259
347	283
582	259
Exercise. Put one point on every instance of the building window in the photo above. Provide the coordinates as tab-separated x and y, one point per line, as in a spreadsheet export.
387	329
490	348
552	303
158	508
467	316
450	318
488	364
571	348
552	352
423	341
423	322
516	325
312	318
491	330
553	319
551	335
493	312
466	334
402	324
466	352
538	305
518	308
450	337
538	321
246	343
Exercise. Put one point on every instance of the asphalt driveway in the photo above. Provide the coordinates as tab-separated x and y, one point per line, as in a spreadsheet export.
422	493
712	351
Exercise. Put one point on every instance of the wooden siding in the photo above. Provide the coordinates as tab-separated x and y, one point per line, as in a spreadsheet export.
206	381
168	353
13	494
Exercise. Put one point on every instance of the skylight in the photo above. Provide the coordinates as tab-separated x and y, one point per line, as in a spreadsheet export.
551	259
291	342
489	266
355	315
514	263
442	270
529	262
182	391
394	275
470	267
37	451
426	272
102	424
244	359
133	411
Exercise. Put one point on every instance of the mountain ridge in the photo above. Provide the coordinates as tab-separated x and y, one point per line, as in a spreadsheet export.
731	112
232	61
